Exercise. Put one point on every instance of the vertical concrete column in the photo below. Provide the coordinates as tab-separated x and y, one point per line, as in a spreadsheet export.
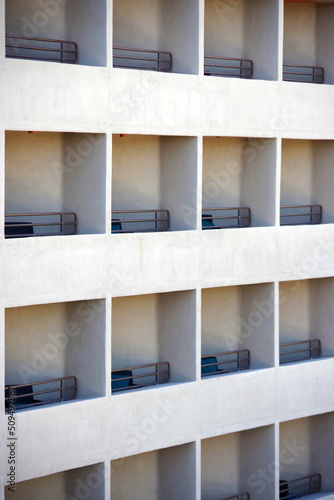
3	419
201	37
107	480
198	332
108	343
278	181
198	469
2	35
108	177
277	456
276	323
2	181
280	38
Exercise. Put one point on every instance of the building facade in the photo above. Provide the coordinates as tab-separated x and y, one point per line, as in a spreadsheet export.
142	194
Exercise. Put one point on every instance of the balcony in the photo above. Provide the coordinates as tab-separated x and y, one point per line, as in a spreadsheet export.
52	356
143	59
306	178
223	218
305	320
239	178
233	39
306	468
51	188
225	362
227	66
308	36
157	475
229	461
40	224
237	329
69	484
147	347
136	377
20	397
141	221
153	183
299	351
301	487
63	32
156	35
299	215
41	49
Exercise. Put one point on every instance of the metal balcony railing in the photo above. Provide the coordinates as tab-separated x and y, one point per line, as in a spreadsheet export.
303	74
300	351
241	496
300	487
40	224
21	396
232	217
41	49
140	221
134	377
228	66
151	60
225	362
298	215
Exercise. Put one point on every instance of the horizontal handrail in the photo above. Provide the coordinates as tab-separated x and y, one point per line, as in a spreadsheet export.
126	376
157	222
313	214
303	74
241	496
312	351
66	223
228	66
41	49
159	60
241	362
11	401
242	217
302	486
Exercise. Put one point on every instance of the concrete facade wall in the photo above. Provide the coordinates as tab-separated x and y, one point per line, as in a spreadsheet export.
182	130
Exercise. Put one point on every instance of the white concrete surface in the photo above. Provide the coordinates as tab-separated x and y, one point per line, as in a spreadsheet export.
173	294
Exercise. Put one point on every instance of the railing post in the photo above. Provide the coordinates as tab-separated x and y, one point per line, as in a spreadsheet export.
156	221
61	389
158	62
61	52
61	223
